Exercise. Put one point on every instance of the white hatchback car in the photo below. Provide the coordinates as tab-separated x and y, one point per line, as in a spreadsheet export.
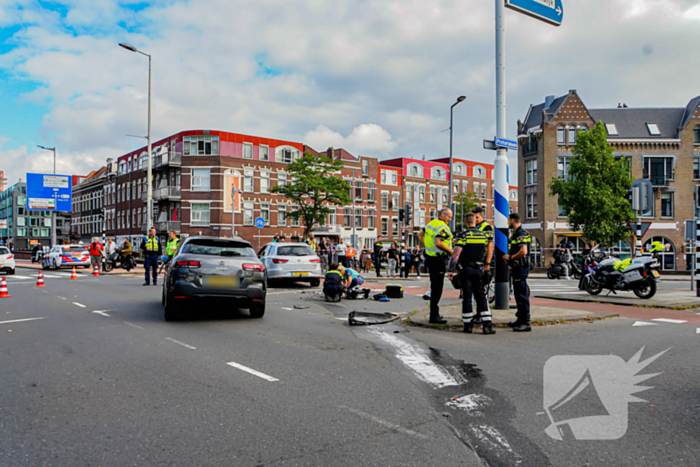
7	260
291	261
68	255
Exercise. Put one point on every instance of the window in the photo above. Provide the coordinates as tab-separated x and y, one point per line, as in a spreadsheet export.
414	170
433	192
395	202
248	213
561	134
358	190
200	179
347	218
44	232
247	151
611	128
385	201
563	166
409	193
445	193
382	178
572	135
455	190
295	221
287	156
394	227
394	178
21	221
513	195
484	187
281	215
562	212
21	232
432	214
265	213
668	255
479	172
200	214
531	172
530	147
281	179
465	187
696	169
365	168
460	169
370	218
248	180
358	218
659	170
370	191
667	204
438	173
532	205
264	182
331	217
264	153
200	145
33	222
696	135
422	194
653	129
583	128
385	226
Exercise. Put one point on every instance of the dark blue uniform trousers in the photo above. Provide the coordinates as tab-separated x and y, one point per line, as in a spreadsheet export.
151	262
522	294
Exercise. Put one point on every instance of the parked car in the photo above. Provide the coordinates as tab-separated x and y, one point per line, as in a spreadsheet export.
214	268
7	260
291	261
68	255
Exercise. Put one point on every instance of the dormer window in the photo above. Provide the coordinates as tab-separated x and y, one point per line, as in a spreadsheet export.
653	129
438	173
414	170
460	169
611	128
479	172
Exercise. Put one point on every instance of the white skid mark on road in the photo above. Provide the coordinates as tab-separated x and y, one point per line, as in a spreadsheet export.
285	308
181	343
62	298
133	325
252	372
667	320
489	435
19	320
385	424
470	404
419	362
644	323
79	304
102	312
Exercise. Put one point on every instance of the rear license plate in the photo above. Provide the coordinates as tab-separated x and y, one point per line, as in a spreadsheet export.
221	282
299	274
656	273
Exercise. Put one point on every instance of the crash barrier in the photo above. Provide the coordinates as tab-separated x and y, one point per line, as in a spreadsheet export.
3	289
40	280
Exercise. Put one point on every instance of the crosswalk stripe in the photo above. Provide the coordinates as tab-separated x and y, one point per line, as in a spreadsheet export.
644	323
667	320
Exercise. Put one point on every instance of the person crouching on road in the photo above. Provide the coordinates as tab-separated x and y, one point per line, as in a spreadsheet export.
469	257
518	260
437	239
96	250
333	285
150	246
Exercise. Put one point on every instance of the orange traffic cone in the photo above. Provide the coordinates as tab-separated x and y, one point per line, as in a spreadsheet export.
40	281
96	271
3	289
74	275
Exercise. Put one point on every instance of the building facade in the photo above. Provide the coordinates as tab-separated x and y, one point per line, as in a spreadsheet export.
661	144
87	217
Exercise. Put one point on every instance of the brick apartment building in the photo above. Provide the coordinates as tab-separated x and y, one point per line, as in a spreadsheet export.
87	216
661	144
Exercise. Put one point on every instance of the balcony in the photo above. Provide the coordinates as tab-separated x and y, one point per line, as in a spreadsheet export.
168	226
166	193
328	229
165	160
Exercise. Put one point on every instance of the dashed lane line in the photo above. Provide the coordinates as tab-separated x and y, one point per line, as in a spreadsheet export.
644	323
133	325
102	312
62	298
19	320
668	320
697	331
79	304
384	423
252	372
180	343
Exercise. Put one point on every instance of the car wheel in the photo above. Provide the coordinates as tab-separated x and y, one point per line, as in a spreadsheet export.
257	309
86	266
11	272
162	298
173	311
54	265
315	282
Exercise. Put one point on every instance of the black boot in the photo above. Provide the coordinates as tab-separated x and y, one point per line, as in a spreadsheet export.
477	321
438	320
488	329
467	328
524	327
513	324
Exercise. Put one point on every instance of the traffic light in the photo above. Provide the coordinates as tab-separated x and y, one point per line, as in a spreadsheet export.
409	214
401	215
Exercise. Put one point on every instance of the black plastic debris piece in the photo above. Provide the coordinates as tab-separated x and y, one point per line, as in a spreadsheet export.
300	307
363	318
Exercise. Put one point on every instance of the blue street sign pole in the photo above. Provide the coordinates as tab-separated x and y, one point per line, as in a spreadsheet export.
259	223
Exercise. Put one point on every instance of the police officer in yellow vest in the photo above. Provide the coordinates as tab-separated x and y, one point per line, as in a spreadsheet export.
172	245
437	240
469	257
490	266
150	246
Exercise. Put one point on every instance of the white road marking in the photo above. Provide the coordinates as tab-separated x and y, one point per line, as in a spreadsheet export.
644	323
667	320
470	403
289	291
133	325
489	435
285	308
252	372
103	312
419	362
21	277
181	343
385	424
19	320
697	331
62	298
79	304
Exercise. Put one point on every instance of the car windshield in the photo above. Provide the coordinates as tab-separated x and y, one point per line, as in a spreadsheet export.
4	251
218	248
298	250
74	249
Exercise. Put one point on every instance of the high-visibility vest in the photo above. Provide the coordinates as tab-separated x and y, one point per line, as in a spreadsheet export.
432	230
151	244
171	247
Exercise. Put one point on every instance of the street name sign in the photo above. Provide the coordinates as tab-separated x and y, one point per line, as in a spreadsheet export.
549	11
488	144
505	143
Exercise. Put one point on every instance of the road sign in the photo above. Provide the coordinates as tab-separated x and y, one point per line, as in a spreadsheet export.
49	192
259	222
488	144
549	11
645	228
505	143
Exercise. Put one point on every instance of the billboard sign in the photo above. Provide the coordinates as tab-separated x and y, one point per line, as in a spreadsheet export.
49	192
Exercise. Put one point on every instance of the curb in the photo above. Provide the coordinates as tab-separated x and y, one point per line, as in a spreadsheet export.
636	305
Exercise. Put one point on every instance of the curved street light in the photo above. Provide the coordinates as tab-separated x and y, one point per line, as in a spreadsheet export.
451	192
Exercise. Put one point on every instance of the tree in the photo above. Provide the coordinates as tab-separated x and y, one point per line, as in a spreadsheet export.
314	184
594	193
464	203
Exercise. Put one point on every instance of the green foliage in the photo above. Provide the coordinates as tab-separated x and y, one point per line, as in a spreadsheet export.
594	195
314	183
469	201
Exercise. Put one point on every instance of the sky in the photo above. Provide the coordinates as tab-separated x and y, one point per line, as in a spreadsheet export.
374	77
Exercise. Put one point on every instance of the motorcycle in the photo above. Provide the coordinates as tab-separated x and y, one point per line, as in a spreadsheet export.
117	260
640	277
557	270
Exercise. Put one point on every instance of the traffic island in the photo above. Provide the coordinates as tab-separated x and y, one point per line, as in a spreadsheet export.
677	300
540	315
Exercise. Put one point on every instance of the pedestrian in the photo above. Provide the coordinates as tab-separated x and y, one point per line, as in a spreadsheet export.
587	249
437	239
490	261
275	239
311	241
96	249
150	246
172	245
408	261
110	249
392	257
378	248
364	256
518	260
418	259
35	253
469	259
341	248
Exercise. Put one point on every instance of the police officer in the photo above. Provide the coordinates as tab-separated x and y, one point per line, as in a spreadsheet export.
469	257
150	246
490	265
518	260
172	245
378	247
437	239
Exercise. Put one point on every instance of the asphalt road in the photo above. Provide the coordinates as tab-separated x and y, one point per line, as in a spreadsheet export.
101	379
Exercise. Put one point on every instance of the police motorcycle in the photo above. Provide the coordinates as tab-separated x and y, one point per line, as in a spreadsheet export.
117	260
639	275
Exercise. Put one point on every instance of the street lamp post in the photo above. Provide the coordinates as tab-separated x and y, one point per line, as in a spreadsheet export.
53	213
352	191
451	189
149	204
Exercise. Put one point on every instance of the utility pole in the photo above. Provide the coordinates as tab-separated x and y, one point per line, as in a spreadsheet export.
53	213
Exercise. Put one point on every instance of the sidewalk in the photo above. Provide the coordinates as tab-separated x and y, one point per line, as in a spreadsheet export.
540	315
675	300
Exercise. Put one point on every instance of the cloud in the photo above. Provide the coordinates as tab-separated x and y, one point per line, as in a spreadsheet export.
367	139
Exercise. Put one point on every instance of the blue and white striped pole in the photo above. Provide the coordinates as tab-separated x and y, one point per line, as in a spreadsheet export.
501	166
